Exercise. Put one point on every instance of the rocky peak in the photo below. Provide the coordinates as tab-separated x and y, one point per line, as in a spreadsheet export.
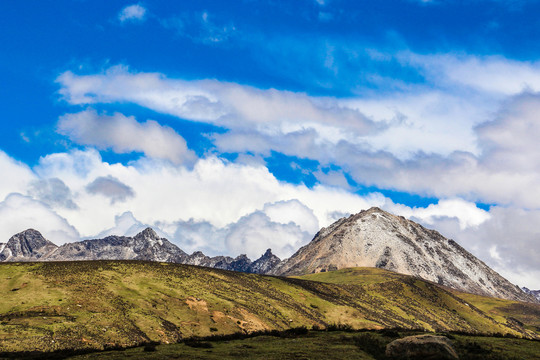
265	263
267	254
240	263
148	234
28	245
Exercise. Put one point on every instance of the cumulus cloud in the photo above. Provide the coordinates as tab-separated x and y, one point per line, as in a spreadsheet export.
215	190
292	211
125	225
124	134
255	233
52	192
133	13
466	213
111	188
16	176
283	226
19	213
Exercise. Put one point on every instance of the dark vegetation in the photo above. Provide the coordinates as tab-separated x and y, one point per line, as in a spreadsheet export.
335	342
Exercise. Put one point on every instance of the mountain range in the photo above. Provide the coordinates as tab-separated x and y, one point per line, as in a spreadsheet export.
371	238
30	245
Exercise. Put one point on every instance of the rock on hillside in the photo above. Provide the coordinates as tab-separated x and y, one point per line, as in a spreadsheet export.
375	238
422	347
28	245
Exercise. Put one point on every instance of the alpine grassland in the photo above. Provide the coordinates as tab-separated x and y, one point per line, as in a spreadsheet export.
102	305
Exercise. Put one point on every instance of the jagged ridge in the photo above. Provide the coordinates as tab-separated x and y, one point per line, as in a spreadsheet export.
30	245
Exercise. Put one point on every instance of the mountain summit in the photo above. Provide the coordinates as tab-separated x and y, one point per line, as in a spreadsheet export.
376	238
28	245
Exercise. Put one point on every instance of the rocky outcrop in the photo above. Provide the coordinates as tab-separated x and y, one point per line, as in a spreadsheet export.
375	238
421	347
28	245
535	293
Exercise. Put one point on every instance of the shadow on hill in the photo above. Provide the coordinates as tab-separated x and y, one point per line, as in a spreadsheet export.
372	342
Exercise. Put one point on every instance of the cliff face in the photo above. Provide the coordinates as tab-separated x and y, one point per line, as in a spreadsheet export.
375	238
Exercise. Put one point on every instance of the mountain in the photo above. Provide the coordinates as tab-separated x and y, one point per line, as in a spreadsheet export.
50	306
28	245
535	293
146	245
375	238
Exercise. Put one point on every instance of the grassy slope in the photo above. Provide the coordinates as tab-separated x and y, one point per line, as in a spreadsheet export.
49	306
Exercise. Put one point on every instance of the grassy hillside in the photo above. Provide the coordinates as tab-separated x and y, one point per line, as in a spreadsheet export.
403	290
77	305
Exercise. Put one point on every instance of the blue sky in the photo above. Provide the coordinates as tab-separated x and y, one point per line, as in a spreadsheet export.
232	127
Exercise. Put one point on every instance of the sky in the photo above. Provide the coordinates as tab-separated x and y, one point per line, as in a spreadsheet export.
233	127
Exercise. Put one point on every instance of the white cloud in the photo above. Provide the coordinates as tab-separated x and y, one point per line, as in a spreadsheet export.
213	190
124	135
15	177
124	225
292	211
52	192
110	187
134	12
255	233
466	213
224	104
494	75
19	213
